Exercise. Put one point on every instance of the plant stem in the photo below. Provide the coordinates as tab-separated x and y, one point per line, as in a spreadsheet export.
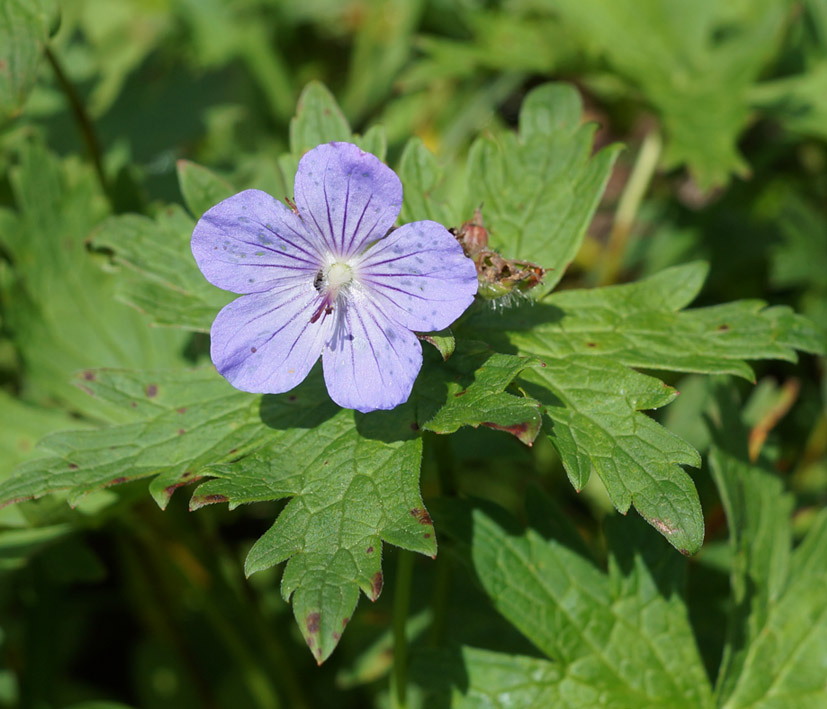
87	128
401	604
627	208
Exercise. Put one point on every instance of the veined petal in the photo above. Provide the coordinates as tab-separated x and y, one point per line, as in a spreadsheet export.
265	343
370	362
346	196
419	276
251	242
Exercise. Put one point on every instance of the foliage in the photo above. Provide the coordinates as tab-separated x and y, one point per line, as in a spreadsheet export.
662	272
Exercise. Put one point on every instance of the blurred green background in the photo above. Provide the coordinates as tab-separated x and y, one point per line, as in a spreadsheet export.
722	107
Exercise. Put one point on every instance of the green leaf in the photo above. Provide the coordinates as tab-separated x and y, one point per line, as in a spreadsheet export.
421	177
480	679
24	28
776	642
594	410
625	635
695	63
352	473
540	188
470	390
160	276
58	303
354	480
443	340
201	188
176	424
589	338
641	325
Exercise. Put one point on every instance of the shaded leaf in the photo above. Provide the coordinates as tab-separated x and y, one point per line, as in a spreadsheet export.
354	483
625	635
470	390
160	277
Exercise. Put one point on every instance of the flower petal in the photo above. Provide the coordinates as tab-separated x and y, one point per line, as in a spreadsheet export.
371	362
419	276
265	342
346	196
251	242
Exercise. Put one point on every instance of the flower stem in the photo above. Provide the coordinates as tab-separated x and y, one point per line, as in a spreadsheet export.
87	128
401	604
627	209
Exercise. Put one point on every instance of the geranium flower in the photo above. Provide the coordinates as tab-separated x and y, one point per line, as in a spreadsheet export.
330	279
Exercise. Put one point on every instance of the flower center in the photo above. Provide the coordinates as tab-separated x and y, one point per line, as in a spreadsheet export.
338	275
328	284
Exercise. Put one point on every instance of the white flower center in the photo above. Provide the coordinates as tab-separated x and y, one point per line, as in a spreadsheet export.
338	275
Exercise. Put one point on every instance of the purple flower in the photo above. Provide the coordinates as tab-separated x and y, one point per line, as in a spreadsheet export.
330	281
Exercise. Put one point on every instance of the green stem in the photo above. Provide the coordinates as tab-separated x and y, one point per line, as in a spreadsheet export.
401	604
627	209
87	128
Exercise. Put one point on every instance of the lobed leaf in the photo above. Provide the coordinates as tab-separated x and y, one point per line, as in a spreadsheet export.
160	277
354	483
470	390
540	188
588	339
625	635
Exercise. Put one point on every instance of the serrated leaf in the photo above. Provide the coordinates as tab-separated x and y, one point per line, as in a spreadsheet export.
58	303
642	325
481	679
589	338
354	478
354	483
421	177
540	188
24	27
470	390
694	62
776	643
443	340
178	423
201	188
625	635
160	277
594	409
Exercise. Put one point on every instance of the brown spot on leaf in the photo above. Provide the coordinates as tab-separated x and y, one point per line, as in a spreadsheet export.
313	622
89	375
181	431
414	426
370	550
524	431
461	393
73	466
151	390
336	636
591	344
427	535
292	397
345	621
133	404
214	498
421	515
116	481
723	327
182	410
376	584
234	450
